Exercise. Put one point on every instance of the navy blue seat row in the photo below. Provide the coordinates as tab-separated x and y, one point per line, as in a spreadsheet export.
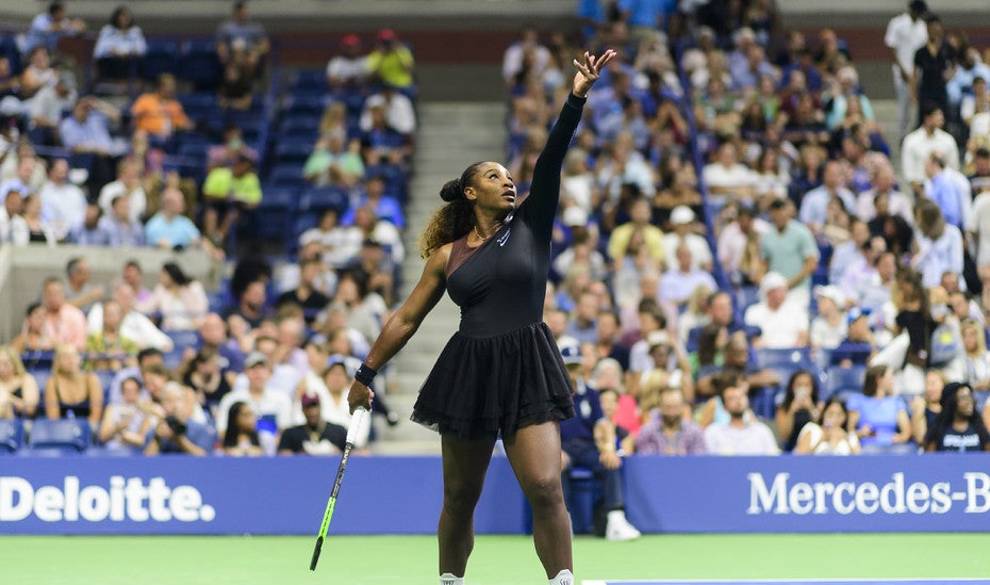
47	437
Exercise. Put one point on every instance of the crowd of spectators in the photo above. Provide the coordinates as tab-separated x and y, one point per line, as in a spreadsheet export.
148	154
738	259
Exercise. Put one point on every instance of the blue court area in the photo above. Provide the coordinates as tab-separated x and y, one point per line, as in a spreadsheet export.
799	582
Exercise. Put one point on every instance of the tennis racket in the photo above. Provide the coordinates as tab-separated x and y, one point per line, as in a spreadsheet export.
358	421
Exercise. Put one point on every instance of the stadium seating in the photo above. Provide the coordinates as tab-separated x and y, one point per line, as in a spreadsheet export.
323	198
60	437
842	380
159	58
11	436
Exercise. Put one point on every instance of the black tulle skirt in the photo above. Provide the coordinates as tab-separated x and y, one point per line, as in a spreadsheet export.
481	387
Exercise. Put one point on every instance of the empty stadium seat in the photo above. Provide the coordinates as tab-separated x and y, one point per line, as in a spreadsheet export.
276	198
745	297
797	357
309	80
840	380
60	437
288	175
323	198
303	104
38	360
182	340
198	64
584	492
203	436
299	123
293	151
159	58
11	436
198	100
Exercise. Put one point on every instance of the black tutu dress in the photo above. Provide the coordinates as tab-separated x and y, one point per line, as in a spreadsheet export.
502	370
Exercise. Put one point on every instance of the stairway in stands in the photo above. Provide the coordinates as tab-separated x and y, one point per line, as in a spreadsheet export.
451	135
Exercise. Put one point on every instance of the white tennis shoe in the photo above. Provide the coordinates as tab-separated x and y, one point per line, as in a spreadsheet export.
619	529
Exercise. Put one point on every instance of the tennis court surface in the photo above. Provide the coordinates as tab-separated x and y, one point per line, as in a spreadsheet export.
797	582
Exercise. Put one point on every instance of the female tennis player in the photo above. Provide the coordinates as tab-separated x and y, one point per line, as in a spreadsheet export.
501	372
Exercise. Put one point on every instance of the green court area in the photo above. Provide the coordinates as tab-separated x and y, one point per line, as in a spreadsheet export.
497	560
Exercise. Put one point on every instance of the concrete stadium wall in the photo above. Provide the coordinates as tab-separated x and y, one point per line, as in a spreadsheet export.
23	269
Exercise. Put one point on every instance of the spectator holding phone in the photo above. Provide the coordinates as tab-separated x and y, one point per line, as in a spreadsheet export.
241	438
271	406
828	435
801	406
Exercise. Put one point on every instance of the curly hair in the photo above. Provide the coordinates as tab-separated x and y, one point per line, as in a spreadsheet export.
454	219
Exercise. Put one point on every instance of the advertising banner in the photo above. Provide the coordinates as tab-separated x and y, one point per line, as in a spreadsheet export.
403	495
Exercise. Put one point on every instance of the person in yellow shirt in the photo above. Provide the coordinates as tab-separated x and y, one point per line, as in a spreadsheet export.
651	236
391	62
158	113
227	192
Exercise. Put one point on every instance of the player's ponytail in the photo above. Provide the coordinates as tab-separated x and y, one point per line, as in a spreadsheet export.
453	220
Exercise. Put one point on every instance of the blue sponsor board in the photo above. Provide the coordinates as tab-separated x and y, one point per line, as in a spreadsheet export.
402	495
930	493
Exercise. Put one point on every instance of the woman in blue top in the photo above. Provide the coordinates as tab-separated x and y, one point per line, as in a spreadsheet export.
501	372
878	418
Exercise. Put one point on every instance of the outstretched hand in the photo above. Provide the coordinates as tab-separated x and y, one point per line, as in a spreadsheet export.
589	70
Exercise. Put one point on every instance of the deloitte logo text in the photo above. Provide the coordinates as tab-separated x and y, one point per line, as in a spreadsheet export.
126	499
893	497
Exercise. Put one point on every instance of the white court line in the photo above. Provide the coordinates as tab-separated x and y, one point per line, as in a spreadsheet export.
797	580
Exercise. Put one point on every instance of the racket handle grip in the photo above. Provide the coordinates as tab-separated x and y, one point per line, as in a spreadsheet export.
358	421
316	553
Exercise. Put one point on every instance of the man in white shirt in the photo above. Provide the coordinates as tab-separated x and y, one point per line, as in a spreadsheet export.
884	183
399	112
783	322
272	407
63	204
814	205
682	220
906	33
134	326
727	178
350	66
128	183
512	62
743	434
678	284
47	106
919	145
285	359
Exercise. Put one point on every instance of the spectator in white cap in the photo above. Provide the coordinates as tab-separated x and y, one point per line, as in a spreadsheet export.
828	329
783	322
273	407
682	222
